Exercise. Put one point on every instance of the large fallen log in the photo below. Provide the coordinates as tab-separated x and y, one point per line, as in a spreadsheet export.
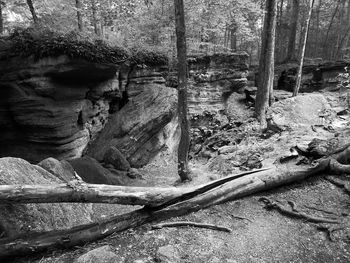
190	202
80	192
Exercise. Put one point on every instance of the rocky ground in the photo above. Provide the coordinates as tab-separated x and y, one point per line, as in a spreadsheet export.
258	235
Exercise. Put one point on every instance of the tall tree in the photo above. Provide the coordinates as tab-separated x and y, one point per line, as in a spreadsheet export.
325	46
1	19
184	144
94	17
266	62
78	6
293	31
33	12
302	49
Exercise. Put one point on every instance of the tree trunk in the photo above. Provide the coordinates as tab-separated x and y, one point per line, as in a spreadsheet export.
325	46
266	63
233	37
293	31
94	17
316	45
1	20
231	190
33	12
279	32
302	50
79	14
80	192
184	144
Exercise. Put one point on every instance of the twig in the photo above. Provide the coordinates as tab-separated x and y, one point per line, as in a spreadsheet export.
293	212
321	210
183	223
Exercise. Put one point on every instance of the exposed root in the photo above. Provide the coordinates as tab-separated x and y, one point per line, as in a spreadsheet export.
292	211
182	223
339	183
329	230
338	168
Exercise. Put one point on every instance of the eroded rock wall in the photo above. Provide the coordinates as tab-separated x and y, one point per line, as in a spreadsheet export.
63	108
54	106
213	79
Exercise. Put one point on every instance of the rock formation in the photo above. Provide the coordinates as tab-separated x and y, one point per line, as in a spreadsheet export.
20	218
316	75
66	107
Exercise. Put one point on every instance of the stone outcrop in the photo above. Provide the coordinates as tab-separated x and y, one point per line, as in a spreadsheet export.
54	106
316	75
91	171
64	108
21	218
213	79
135	129
102	254
303	110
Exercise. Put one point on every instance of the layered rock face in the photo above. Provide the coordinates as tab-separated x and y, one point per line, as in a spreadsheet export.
316	75
213	79
63	108
54	106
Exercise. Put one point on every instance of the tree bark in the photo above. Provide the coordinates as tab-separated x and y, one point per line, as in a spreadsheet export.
81	192
316	45
79	14
233	37
184	144
94	17
1	20
33	12
293	31
325	53
266	63
302	50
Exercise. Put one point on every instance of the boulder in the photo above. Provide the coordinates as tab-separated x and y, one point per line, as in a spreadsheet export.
91	171
61	169
302	110
135	129
99	255
116	158
20	218
168	254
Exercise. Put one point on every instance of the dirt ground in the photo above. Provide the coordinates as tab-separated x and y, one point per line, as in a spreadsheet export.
258	235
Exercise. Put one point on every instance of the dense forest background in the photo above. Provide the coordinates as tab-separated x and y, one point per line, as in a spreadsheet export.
212	25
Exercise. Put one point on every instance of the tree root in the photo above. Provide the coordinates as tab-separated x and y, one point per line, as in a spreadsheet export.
183	223
338	168
294	212
339	183
329	230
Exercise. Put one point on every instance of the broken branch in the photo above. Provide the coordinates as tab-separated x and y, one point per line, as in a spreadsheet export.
200	225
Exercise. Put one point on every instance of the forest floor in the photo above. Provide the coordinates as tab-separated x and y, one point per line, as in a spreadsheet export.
258	235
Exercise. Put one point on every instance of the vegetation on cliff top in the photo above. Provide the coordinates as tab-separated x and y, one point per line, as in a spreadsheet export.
47	43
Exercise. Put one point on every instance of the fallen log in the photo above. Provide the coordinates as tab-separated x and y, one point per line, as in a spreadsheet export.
222	192
193	224
80	192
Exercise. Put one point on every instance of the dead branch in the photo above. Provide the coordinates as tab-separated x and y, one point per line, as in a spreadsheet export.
78	191
293	212
200	225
